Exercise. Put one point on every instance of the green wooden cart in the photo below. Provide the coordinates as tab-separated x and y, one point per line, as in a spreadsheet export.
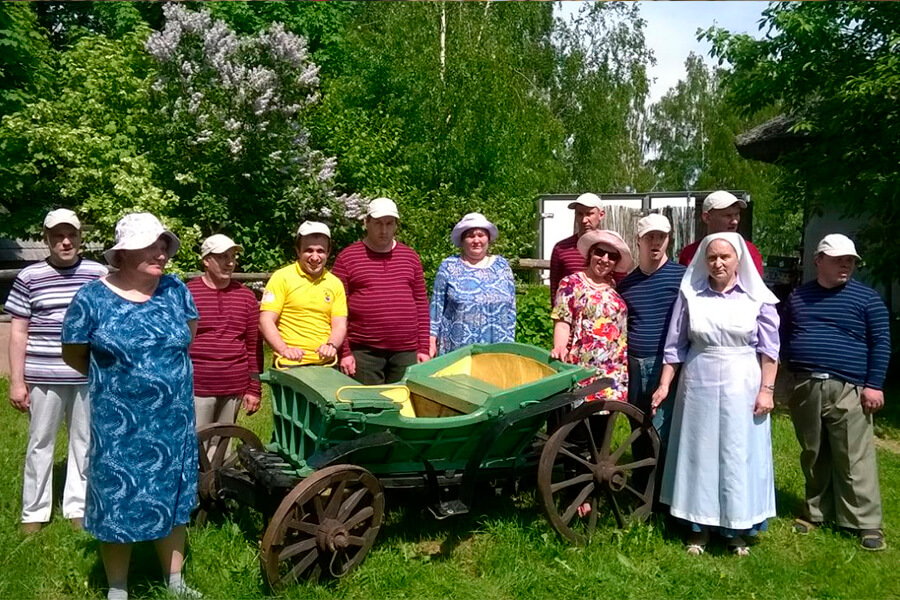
484	413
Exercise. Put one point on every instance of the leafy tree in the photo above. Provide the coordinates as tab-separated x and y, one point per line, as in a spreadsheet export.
834	67
229	137
691	138
24	56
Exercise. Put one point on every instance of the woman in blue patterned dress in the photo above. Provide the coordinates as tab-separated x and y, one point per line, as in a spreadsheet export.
130	332
474	299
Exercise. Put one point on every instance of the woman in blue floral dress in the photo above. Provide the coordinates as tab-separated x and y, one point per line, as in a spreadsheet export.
130	333
590	318
474	298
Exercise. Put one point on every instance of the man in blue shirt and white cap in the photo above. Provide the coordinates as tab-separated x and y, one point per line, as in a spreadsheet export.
838	345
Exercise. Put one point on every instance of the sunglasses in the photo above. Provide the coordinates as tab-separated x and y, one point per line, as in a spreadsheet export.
612	254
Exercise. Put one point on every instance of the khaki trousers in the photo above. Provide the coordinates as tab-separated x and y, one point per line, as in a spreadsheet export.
838	453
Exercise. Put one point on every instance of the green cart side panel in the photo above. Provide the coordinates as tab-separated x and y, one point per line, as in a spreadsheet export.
309	417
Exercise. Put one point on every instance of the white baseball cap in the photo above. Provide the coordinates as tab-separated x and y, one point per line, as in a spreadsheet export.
836	244
382	207
721	199
217	244
472	221
590	200
140	230
60	216
653	222
313	227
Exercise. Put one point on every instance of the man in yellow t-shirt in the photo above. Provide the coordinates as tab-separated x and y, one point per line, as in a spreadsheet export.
303	315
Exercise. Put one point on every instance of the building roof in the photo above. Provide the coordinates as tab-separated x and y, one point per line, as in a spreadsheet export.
771	140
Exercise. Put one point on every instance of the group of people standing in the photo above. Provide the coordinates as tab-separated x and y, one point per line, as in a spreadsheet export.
697	344
134	361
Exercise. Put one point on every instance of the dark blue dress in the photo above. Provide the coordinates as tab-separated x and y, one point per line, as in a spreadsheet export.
142	462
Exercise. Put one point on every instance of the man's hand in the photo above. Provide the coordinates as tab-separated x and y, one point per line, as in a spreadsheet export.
251	403
18	397
872	400
326	352
292	353
432	346
422	357
348	365
765	403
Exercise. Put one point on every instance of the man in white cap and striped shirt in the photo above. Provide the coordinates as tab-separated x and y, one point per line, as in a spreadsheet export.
227	351
41	384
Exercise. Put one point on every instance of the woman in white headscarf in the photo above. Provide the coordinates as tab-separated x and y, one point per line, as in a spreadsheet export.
724	334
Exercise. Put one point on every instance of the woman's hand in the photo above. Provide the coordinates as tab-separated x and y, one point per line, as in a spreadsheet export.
560	352
432	346
765	403
658	397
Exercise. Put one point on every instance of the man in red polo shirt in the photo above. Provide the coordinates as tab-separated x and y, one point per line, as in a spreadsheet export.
565	258
721	212
388	322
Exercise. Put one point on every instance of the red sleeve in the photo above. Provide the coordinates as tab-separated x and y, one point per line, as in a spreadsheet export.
254	345
686	254
556	268
340	271
756	256
421	298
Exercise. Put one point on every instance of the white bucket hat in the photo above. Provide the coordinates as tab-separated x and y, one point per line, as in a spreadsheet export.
836	244
382	207
653	222
721	199
217	244
472	221
60	216
313	227
590	200
587	241
139	230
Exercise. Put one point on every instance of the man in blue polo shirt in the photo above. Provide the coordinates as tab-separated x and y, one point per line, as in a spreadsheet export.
650	292
837	344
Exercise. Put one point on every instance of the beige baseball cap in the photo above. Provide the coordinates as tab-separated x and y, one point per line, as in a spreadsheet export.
836	244
382	207
653	222
217	244
590	200
313	227
60	216
721	199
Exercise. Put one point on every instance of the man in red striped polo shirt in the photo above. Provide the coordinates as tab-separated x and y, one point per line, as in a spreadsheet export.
227	350
388	322
565	258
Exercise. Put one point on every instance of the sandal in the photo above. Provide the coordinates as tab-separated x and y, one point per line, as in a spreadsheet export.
694	549
803	527
872	540
739	547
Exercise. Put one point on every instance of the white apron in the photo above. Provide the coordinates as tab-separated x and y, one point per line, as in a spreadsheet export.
719	463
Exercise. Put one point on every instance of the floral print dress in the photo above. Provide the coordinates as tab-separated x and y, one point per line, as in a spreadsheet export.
597	317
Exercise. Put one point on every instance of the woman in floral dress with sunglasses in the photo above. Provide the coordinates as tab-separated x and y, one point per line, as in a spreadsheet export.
589	319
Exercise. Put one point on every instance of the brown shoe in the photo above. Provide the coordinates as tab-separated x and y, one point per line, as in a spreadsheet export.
31	528
77	523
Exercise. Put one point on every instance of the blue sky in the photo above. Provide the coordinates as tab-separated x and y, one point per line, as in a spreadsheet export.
671	32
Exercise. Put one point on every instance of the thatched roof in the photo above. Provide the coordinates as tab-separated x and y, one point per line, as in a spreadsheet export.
769	141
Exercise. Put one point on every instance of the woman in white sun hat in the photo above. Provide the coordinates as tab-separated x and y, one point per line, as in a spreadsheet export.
130	332
474	298
590	317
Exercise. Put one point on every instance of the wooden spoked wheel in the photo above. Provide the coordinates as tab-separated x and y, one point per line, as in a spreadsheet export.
324	527
217	448
598	469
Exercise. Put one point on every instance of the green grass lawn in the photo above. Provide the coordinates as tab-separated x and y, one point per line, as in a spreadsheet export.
504	549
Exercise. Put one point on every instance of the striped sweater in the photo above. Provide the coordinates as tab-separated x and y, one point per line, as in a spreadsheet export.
41	293
386	300
650	299
843	331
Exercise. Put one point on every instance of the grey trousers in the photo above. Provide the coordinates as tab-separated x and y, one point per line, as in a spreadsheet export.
838	453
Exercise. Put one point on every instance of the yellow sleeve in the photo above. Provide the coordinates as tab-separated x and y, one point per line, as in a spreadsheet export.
339	309
274	294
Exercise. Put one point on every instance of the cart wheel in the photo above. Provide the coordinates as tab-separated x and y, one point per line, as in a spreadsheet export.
598	467
324	526
218	436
